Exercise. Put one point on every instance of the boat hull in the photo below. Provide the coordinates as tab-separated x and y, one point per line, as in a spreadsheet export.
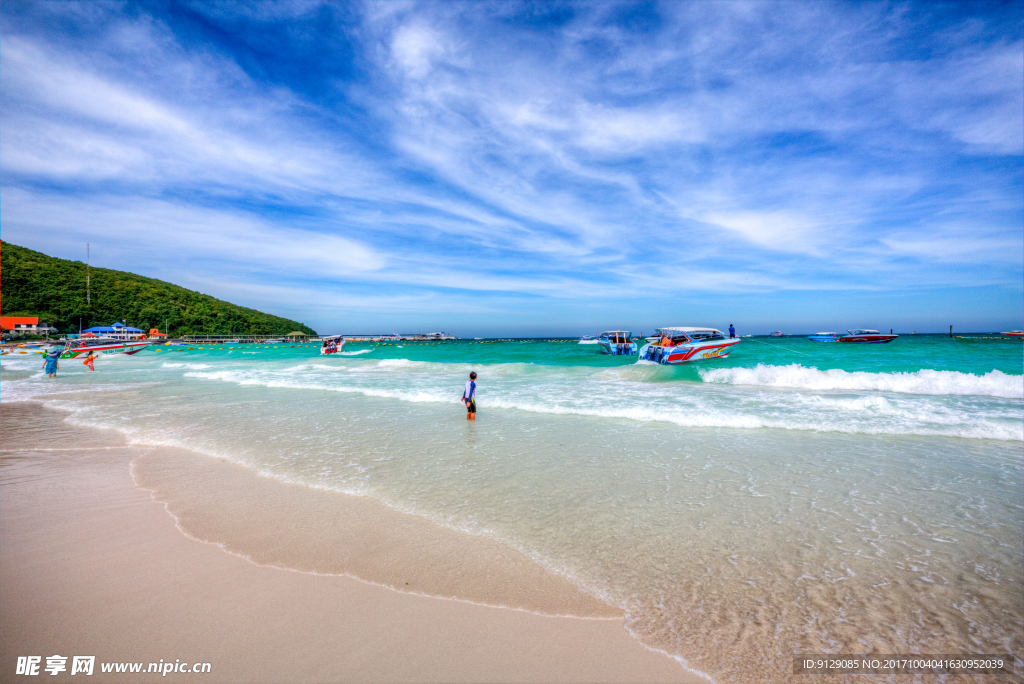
822	338
702	350
867	339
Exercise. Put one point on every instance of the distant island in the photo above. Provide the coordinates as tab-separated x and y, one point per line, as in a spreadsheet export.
34	284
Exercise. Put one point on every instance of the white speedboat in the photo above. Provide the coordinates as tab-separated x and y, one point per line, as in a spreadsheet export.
824	337
617	342
332	344
682	345
588	339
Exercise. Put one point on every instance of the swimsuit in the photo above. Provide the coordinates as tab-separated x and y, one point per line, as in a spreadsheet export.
469	395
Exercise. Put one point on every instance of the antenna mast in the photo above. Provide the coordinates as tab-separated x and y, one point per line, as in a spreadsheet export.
88	299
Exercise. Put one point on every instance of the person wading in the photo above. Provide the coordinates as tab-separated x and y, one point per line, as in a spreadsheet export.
469	397
51	363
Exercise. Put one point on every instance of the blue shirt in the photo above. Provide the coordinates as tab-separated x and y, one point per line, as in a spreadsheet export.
732	330
470	392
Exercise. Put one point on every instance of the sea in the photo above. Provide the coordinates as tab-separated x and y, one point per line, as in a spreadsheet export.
793	498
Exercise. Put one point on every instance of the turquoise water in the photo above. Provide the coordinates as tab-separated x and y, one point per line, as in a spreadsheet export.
796	497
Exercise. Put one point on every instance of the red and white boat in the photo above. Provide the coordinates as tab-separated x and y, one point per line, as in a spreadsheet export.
866	337
1015	333
332	344
104	345
682	345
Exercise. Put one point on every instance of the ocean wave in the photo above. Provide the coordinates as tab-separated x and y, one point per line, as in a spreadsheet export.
192	366
993	384
355	353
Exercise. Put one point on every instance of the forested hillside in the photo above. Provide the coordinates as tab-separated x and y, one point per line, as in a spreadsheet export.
34	284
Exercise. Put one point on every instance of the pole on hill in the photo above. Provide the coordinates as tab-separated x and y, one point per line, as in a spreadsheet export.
88	298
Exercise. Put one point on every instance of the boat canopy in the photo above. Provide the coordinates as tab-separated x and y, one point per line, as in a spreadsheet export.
863	332
331	338
689	330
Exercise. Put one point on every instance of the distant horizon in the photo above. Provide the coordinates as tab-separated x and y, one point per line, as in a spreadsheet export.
521	169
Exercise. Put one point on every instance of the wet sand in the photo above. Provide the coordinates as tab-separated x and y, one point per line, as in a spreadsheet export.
92	564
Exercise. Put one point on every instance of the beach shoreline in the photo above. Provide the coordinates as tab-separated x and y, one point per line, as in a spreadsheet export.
92	564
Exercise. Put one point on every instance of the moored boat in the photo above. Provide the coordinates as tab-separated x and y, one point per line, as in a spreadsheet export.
824	337
1014	333
588	339
683	345
777	333
104	345
332	344
866	337
617	342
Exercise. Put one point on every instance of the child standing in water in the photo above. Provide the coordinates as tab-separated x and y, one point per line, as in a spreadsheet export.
469	397
51	364
89	361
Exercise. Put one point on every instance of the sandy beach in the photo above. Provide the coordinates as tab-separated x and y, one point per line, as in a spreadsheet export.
92	564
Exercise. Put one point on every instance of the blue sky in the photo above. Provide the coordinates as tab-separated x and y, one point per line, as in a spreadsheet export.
492	168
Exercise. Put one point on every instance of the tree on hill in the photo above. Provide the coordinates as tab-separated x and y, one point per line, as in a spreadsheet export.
34	284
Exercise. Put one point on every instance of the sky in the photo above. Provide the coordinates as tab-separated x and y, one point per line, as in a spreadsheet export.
529	169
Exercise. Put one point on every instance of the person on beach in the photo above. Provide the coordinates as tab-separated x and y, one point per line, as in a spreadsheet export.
51	364
89	360
469	397
732	331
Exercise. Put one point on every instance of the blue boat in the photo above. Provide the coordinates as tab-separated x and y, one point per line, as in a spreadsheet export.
824	337
617	342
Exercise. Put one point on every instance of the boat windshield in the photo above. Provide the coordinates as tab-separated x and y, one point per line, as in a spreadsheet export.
863	332
94	342
706	335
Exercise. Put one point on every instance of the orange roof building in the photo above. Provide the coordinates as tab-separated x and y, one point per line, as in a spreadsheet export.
19	322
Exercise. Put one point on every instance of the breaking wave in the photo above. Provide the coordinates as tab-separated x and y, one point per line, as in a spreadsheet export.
993	384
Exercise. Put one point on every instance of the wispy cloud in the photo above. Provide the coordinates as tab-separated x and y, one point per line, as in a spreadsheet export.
472	158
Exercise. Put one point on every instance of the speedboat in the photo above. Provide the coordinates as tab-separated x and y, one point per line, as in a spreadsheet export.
777	333
824	337
1015	333
588	339
617	342
332	344
866	337
104	345
682	345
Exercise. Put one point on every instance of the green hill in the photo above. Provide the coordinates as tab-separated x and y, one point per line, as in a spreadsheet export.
34	284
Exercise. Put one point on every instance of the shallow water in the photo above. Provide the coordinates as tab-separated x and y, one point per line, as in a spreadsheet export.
794	498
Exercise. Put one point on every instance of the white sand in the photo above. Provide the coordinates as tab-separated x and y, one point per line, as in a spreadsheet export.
92	565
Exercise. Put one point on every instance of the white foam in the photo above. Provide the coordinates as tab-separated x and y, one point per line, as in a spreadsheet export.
993	384
355	353
627	393
192	366
396	363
